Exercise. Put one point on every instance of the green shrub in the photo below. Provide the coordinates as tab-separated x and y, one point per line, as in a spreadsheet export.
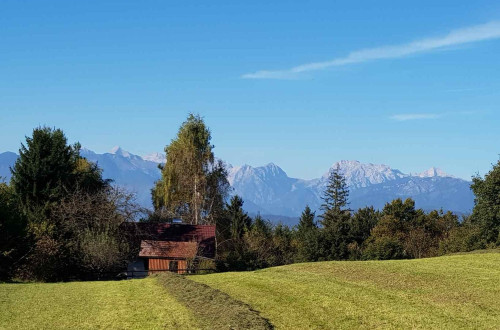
462	239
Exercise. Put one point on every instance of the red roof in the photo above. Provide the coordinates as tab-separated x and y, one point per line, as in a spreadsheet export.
178	232
202	235
168	249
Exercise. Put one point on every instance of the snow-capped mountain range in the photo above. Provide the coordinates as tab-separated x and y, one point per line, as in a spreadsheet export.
156	157
270	191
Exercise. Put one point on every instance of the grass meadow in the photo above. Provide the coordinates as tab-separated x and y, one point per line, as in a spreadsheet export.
133	304
452	292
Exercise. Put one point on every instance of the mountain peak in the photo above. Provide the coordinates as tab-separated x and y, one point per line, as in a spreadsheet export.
117	150
346	163
362	175
273	167
433	172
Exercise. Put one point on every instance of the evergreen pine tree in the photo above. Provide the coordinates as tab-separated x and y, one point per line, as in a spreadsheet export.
306	221
238	219
44	171
48	170
307	237
261	226
486	212
232	250
335	199
335	218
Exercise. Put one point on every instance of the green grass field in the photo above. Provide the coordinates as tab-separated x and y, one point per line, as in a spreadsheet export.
166	301
453	292
134	304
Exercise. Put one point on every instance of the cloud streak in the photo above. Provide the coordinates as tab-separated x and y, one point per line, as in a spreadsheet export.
457	37
416	116
419	116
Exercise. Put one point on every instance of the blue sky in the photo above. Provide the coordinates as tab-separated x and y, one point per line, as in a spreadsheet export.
411	85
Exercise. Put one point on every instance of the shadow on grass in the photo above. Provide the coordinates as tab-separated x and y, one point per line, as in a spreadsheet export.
213	308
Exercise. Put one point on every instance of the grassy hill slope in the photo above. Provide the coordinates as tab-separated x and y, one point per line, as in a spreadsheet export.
135	304
458	291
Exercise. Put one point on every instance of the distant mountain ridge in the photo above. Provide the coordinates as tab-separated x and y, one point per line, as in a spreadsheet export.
127	170
432	172
268	190
7	159
156	157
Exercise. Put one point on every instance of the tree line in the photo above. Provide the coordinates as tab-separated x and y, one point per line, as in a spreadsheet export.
59	219
194	187
398	231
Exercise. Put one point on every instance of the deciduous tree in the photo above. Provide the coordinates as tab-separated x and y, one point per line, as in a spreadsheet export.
193	184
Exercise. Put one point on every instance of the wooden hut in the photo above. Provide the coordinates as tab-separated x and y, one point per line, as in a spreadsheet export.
172	247
168	255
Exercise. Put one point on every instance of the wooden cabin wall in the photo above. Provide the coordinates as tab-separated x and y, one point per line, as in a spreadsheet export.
182	266
163	264
158	264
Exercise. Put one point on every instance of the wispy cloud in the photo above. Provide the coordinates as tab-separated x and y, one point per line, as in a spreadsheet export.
418	116
415	116
470	34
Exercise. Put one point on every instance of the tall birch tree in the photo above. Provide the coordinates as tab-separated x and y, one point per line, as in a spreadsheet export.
194	184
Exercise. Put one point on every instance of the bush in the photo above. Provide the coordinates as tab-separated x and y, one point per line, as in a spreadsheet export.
13	240
384	248
465	238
